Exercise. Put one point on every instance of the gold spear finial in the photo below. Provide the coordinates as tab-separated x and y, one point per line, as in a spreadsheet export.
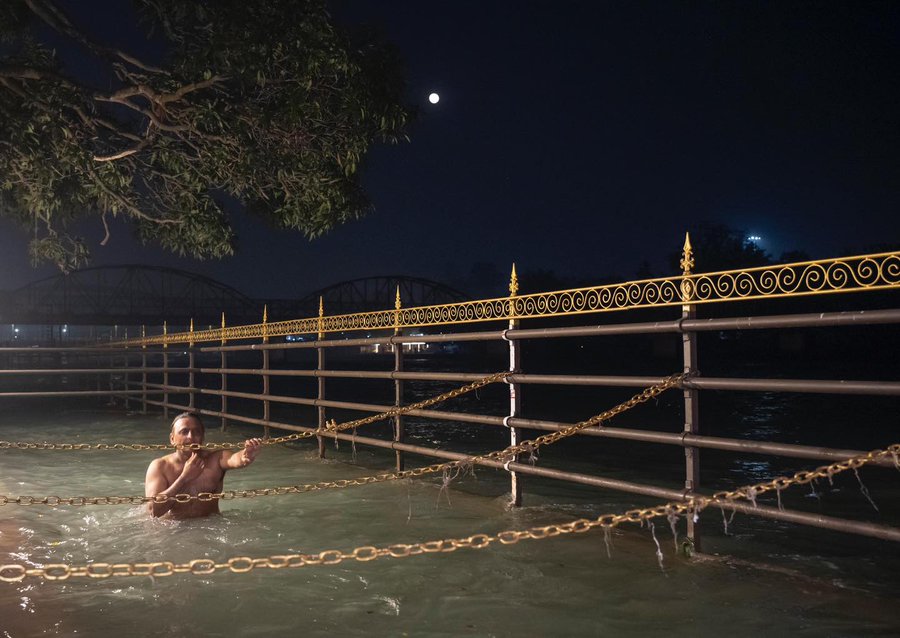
687	263
513	282
397	306
165	332
687	255
321	317
265	321
223	327
191	330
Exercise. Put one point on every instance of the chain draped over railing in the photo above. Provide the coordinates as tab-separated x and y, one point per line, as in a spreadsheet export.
847	274
691	506
507	454
331	427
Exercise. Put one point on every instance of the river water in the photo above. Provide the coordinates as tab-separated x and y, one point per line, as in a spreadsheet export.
760	577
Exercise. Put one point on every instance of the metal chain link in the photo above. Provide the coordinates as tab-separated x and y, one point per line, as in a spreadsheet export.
507	454
242	564
332	426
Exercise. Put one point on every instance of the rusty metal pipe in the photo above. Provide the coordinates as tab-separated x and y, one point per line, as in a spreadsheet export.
64	371
362	341
68	393
646	436
885	388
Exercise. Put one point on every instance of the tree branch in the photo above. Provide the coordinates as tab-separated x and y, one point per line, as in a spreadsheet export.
105	228
131	208
49	13
130	151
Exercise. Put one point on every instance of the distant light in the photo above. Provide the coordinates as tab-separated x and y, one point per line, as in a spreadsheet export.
17	331
754	238
434	98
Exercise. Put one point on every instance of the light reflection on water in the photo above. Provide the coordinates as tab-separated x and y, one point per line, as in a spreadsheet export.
811	583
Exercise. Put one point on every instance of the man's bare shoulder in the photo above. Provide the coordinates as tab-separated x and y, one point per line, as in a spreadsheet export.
160	465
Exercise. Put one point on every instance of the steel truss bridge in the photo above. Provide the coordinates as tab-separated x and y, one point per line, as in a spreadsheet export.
147	295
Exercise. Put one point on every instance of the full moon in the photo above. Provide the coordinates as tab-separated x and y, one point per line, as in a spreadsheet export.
434	98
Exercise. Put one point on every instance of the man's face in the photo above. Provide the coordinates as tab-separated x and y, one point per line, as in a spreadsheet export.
186	431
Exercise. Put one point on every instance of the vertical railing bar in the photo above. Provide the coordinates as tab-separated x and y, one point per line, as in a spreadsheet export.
191	366
165	359
515	389
267	409
223	381
320	365
143	369
691	396
399	433
126	366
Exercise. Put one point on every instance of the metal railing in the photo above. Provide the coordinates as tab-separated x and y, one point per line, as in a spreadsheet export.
152	385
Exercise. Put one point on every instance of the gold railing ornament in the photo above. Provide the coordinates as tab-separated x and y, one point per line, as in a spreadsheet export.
513	291
397	307
829	276
687	263
191	333
265	323
320	326
14	573
223	328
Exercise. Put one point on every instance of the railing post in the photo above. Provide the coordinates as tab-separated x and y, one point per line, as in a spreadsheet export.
223	385
165	361
191	393
265	356
127	365
691	397
515	389
320	351
143	369
399	434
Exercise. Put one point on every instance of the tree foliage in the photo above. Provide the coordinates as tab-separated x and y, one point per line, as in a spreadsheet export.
268	103
721	247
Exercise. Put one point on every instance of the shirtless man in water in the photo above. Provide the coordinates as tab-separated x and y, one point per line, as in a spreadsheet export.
192	471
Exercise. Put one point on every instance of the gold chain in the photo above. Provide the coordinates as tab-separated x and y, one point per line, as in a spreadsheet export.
242	564
332	427
506	454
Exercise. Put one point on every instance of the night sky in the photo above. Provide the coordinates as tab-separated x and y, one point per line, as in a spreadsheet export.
585	137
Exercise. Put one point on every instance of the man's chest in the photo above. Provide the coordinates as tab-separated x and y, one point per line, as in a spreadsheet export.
209	480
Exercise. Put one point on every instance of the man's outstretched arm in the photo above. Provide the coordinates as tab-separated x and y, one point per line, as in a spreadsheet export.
237	460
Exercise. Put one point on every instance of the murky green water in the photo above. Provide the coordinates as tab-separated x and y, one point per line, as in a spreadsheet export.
779	579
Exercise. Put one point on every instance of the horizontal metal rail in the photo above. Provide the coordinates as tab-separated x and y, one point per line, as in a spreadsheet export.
806	320
65	371
815	520
890	388
68	393
707	442
647	436
823	386
104	350
362	341
178	389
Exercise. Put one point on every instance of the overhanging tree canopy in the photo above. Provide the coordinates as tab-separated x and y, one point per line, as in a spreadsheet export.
266	102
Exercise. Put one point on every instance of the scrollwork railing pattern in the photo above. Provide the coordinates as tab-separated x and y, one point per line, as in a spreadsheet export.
847	274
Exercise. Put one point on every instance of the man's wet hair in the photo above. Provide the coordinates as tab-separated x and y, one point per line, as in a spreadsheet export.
186	415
